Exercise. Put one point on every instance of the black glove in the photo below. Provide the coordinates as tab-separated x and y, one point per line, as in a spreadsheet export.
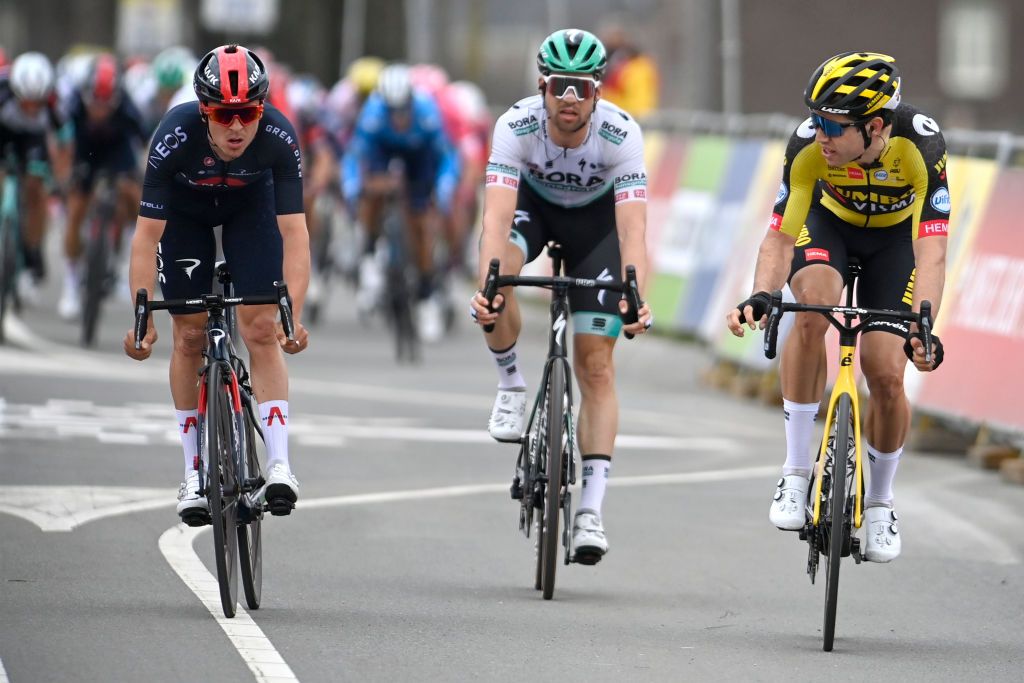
760	302
937	355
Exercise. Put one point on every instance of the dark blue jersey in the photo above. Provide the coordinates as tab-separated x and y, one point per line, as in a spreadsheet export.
181	163
123	126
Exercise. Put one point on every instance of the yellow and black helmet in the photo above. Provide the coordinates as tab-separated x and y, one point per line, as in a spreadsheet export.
855	84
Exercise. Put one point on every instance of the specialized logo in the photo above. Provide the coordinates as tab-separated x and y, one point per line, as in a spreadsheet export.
189	268
189	423
275	412
925	125
559	328
218	336
782	194
806	129
940	200
522	216
605	276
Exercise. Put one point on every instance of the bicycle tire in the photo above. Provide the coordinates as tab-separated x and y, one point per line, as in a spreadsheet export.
836	517
221	488
554	469
96	264
250	525
8	269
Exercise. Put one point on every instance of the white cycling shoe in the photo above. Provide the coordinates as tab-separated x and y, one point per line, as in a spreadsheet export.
281	490
588	540
789	504
193	509
430	320
882	534
507	415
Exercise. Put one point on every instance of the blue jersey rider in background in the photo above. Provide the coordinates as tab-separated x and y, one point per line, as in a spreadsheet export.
398	122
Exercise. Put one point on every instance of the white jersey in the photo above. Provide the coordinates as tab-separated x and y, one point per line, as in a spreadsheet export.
611	158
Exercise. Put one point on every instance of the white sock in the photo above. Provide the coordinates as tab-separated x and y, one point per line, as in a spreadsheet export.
188	432
595	479
882	470
800	419
509	376
274	420
72	272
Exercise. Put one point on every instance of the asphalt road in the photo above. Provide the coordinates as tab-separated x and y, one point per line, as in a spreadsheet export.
404	562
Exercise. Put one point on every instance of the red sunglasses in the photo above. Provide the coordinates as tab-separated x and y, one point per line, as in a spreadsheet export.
225	116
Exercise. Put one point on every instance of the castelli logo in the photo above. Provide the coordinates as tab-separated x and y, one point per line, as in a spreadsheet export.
208	161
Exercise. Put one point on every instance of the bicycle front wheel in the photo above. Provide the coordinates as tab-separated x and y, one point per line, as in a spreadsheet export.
836	515
553	471
8	267
222	487
96	265
250	521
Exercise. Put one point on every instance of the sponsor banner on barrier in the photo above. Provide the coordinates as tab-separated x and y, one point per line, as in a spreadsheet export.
719	232
692	203
982	318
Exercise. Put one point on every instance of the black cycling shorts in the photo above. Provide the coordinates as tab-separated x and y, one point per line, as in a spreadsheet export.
30	151
886	256
250	238
590	249
119	159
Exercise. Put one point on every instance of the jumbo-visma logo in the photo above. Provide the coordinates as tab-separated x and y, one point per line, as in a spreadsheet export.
940	200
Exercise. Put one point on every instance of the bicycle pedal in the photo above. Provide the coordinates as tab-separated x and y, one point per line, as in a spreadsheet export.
516	490
280	506
196	517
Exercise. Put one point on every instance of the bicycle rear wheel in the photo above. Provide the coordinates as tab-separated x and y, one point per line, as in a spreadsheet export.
222	488
553	471
250	521
836	516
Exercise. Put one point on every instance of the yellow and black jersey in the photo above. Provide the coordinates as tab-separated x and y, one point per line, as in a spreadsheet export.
907	181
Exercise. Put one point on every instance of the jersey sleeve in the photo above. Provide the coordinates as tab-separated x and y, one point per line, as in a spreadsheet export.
931	187
628	170
286	164
506	158
800	172
160	168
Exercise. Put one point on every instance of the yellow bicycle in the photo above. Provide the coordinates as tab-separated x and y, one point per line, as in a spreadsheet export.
836	496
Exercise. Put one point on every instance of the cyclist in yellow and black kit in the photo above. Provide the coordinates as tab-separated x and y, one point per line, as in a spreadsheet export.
864	176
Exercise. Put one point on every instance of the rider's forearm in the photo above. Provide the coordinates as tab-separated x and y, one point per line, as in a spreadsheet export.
774	259
631	223
930	276
142	267
295	242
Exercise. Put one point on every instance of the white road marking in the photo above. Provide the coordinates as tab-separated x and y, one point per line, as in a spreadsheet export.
948	533
3	673
142	424
259	654
255	648
62	508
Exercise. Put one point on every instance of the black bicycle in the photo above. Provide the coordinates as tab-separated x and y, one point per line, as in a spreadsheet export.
836	493
546	466
230	476
400	282
10	235
102	242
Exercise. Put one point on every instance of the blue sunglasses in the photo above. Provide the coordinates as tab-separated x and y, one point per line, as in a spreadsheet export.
832	129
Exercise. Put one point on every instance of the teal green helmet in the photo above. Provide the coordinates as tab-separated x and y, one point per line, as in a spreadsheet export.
572	51
173	67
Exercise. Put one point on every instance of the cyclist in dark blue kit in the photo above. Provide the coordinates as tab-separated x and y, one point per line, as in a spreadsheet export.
108	135
229	159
